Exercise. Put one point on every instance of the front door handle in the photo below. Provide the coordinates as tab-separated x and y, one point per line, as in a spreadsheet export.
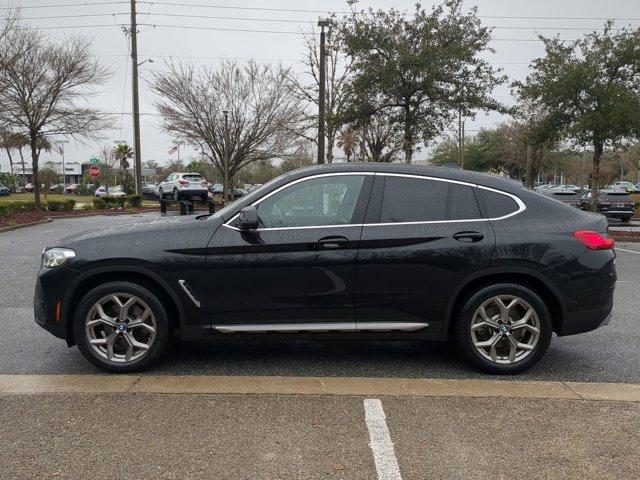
468	237
334	241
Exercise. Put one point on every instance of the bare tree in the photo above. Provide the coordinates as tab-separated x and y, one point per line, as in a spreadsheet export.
306	88
262	113
43	86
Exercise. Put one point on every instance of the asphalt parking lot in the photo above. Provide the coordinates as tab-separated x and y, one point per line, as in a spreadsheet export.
609	354
301	409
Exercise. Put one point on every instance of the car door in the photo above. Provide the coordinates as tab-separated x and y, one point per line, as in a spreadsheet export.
297	270
421	237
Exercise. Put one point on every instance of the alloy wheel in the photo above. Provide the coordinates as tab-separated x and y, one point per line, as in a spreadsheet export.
505	329
120	327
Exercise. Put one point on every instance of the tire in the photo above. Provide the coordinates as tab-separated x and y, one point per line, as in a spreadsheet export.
140	358
176	195
204	198
501	359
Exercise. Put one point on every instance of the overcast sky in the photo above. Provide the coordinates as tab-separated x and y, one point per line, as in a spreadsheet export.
515	43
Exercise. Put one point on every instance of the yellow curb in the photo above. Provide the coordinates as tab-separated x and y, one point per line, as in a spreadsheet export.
166	384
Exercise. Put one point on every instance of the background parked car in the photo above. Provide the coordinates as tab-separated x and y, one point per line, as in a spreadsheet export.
181	185
622	185
150	191
564	195
113	192
28	188
611	203
4	191
71	188
217	189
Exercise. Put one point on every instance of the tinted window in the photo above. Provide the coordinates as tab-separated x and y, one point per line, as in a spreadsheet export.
619	196
414	200
319	201
496	204
463	203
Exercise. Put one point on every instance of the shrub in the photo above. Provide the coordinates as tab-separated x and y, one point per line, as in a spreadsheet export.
9	208
59	190
87	207
133	200
99	203
65	205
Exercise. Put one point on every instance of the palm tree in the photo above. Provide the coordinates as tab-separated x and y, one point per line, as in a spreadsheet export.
347	141
6	142
122	153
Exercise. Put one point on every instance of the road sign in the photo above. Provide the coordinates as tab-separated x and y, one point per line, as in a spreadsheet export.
94	171
94	161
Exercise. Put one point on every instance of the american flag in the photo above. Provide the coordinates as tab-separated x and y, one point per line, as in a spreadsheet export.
173	150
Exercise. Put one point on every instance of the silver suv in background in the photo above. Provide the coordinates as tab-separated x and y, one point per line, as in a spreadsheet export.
184	185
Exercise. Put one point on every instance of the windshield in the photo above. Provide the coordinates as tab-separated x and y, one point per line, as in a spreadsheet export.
193	178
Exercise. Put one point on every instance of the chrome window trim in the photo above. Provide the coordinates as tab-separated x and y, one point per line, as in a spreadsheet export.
521	205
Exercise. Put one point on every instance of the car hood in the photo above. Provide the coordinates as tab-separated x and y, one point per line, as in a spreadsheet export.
144	234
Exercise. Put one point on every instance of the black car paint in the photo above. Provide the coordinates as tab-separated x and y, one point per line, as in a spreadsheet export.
418	272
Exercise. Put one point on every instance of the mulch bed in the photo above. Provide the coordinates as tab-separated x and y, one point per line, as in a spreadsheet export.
31	217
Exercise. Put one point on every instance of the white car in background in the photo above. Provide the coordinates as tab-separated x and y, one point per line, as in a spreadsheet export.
113	192
184	185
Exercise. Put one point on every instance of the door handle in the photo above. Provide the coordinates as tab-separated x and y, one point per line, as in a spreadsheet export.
468	237
334	241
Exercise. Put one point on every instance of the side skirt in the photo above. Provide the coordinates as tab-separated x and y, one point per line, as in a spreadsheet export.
322	327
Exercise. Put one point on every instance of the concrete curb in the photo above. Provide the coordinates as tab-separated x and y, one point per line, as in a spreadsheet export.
23	225
251	385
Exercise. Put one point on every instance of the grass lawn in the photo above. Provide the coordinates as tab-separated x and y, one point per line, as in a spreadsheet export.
25	197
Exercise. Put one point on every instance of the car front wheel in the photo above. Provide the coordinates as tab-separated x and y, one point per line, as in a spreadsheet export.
121	327
504	328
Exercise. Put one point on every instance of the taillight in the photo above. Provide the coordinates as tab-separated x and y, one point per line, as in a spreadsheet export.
183	182
203	183
593	240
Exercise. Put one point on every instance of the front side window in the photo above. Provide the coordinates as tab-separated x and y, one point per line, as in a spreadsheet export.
329	200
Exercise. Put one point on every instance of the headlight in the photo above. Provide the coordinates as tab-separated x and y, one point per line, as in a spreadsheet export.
54	257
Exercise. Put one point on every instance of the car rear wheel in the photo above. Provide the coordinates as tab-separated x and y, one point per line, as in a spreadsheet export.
176	195
121	327
504	328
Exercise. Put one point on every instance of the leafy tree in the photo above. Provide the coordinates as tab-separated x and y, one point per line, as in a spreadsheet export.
421	69
122	153
42	86
589	90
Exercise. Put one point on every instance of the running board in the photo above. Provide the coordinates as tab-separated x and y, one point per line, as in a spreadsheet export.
322	327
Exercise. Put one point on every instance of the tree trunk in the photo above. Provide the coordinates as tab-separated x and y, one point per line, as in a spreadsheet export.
22	163
528	180
331	138
595	174
33	142
407	144
10	159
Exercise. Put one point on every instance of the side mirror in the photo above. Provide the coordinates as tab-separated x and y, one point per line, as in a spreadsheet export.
248	218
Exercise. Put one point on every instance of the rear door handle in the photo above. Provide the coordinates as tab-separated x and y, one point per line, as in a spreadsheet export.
468	237
334	241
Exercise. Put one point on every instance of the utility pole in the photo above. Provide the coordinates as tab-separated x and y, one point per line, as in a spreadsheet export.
321	99
225	187
136	103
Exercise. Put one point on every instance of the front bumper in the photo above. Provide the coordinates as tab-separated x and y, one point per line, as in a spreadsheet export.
49	306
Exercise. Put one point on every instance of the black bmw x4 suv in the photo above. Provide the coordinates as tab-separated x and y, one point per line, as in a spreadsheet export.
383	251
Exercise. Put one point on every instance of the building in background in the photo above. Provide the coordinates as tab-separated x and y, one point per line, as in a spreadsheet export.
73	170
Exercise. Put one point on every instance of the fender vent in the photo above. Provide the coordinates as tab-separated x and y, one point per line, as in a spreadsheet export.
187	289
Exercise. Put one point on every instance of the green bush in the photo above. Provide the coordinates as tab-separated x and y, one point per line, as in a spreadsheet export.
99	203
88	207
65	205
9	208
133	200
59	190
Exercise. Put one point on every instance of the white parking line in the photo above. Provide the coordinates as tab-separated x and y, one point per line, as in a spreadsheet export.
381	445
625	250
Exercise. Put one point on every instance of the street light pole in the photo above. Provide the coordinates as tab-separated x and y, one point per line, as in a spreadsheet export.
321	99
225	189
136	102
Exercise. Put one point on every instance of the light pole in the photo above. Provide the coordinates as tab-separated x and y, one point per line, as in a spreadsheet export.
321	107
225	189
64	167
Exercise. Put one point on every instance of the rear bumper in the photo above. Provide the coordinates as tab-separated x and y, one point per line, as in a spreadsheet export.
585	321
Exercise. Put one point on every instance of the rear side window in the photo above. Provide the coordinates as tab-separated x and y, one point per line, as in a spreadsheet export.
416	200
496	204
463	204
413	200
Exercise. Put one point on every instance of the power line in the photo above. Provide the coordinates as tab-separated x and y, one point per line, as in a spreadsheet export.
56	5
75	16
